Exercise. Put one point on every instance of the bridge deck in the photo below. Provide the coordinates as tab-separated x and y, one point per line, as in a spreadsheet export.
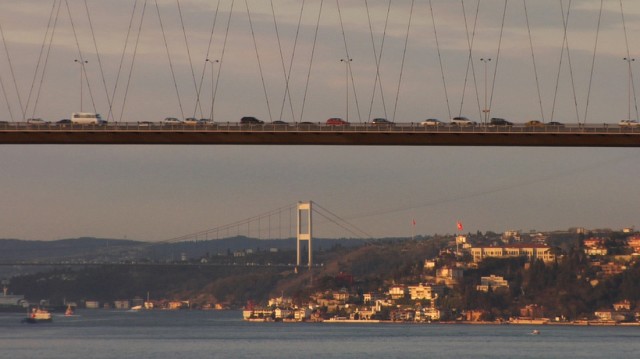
357	135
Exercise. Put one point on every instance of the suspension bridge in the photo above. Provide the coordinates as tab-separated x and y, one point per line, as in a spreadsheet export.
566	65
292	222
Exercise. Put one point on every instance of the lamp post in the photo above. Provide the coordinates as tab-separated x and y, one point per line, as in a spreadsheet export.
486	109
82	63
629	60
347	62
212	62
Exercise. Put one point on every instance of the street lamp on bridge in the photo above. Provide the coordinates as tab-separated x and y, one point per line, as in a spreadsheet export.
82	63
347	63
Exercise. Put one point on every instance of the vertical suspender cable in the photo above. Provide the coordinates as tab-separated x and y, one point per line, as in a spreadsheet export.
346	49
166	46
224	48
255	45
81	58
313	52
564	38
593	61
533	57
444	82
495	72
565	42
378	59
95	44
626	38
186	43
124	51
204	66
404	56
133	60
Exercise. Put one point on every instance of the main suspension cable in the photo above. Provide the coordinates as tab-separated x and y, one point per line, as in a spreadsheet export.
13	75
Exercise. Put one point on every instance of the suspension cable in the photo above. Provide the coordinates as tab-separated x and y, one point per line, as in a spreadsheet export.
470	62
313	51
495	72
533	57
346	48
444	82
13	75
95	43
133	59
378	59
166	46
204	66
626	38
593	61
555	95
404	56
81	58
287	90
186	43
124	51
42	47
6	98
284	68
46	62
255	45
224	48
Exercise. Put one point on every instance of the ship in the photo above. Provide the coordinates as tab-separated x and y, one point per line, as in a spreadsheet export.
38	315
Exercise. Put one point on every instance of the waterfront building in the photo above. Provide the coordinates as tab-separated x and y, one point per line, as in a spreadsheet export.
398	292
449	276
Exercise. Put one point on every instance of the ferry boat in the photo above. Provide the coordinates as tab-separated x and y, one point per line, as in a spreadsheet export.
38	315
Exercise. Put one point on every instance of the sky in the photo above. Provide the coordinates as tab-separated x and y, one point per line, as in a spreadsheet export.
155	193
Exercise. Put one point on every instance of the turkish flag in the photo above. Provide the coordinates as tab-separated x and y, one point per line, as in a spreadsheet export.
459	225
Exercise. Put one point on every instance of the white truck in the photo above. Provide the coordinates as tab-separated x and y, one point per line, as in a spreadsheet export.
87	118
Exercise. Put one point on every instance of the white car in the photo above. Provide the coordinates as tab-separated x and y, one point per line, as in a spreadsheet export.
432	122
37	121
462	122
171	121
629	123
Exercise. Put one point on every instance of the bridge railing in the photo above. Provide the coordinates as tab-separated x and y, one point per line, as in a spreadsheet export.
605	128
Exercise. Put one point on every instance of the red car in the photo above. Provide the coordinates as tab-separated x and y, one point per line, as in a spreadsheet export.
335	121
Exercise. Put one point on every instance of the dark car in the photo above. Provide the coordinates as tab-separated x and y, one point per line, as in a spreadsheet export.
499	122
555	124
250	120
64	122
380	122
336	121
278	122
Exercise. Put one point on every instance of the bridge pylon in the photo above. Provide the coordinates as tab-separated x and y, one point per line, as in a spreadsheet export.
304	229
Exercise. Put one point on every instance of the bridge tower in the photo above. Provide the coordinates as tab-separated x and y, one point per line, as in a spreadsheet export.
304	228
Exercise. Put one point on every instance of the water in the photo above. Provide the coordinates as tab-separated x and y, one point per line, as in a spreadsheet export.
195	334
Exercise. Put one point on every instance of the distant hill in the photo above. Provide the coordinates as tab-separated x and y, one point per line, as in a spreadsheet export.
89	248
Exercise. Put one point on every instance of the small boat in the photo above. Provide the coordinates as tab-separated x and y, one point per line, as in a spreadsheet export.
535	332
38	315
